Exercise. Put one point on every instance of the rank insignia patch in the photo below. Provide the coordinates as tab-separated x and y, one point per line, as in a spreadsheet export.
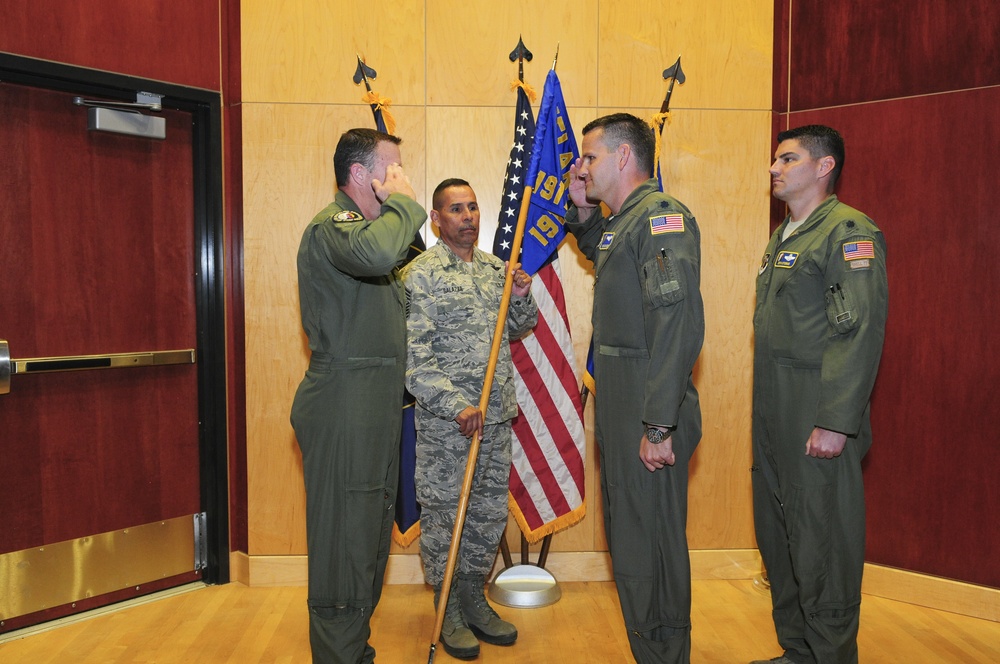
606	241
666	223
763	263
855	250
348	215
786	259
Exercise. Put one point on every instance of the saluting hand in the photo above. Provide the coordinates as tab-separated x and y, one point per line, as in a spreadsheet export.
578	186
396	182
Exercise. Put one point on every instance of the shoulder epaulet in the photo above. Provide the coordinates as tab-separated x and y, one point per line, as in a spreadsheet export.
858	226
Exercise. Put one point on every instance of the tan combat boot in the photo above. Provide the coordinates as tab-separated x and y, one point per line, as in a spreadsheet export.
456	637
479	615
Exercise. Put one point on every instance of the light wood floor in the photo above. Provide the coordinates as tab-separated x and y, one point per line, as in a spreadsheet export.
233	623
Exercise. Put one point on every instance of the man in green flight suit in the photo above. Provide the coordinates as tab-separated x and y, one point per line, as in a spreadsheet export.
347	412
649	325
822	301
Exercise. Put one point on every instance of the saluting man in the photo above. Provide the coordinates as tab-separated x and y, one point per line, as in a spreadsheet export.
649	324
822	300
347	412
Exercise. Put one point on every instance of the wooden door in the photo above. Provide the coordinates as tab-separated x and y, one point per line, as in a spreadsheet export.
97	258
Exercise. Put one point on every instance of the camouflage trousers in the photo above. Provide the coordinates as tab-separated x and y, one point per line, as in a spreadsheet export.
442	453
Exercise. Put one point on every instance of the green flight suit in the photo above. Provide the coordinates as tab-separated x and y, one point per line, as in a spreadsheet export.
649	325
347	412
819	323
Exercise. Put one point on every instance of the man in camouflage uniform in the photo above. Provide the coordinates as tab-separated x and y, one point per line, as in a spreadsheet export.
453	299
347	412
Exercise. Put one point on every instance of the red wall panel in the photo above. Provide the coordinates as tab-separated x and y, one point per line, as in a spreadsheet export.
168	40
919	165
920	168
779	81
232	121
863	50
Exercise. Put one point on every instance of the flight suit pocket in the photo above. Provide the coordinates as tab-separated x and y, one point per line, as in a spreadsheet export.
662	280
841	312
365	505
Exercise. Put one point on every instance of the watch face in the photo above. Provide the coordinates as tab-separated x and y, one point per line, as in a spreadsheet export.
654	436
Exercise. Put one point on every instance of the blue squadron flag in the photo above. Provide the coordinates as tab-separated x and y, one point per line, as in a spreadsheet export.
553	152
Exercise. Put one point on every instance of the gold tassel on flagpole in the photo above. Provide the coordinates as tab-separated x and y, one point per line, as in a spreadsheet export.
528	90
656	122
382	104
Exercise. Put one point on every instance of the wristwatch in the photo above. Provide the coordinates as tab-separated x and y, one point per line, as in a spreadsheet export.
656	436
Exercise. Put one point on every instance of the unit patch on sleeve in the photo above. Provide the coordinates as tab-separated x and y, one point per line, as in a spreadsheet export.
606	240
859	250
666	223
348	215
786	259
763	263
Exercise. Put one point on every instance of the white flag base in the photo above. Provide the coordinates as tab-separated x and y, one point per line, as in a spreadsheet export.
525	587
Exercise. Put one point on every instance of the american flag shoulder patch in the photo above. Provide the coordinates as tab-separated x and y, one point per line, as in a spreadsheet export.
666	223
860	249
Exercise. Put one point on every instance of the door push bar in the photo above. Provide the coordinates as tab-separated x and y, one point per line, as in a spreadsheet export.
9	367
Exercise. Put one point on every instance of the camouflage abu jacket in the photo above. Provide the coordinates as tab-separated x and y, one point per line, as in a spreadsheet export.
452	309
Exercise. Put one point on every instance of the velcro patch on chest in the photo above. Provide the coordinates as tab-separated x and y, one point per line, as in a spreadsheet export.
786	259
348	215
606	241
666	223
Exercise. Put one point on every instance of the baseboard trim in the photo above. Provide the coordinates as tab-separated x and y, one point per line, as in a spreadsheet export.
405	568
933	592
706	564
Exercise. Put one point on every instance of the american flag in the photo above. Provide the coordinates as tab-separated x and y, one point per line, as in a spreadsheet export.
666	223
547	469
855	250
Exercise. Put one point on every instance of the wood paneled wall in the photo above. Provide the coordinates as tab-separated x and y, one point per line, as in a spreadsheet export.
444	65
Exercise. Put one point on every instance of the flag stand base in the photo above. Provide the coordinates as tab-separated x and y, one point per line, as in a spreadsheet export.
524	586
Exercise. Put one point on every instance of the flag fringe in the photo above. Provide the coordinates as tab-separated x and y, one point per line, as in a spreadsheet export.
405	539
549	528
